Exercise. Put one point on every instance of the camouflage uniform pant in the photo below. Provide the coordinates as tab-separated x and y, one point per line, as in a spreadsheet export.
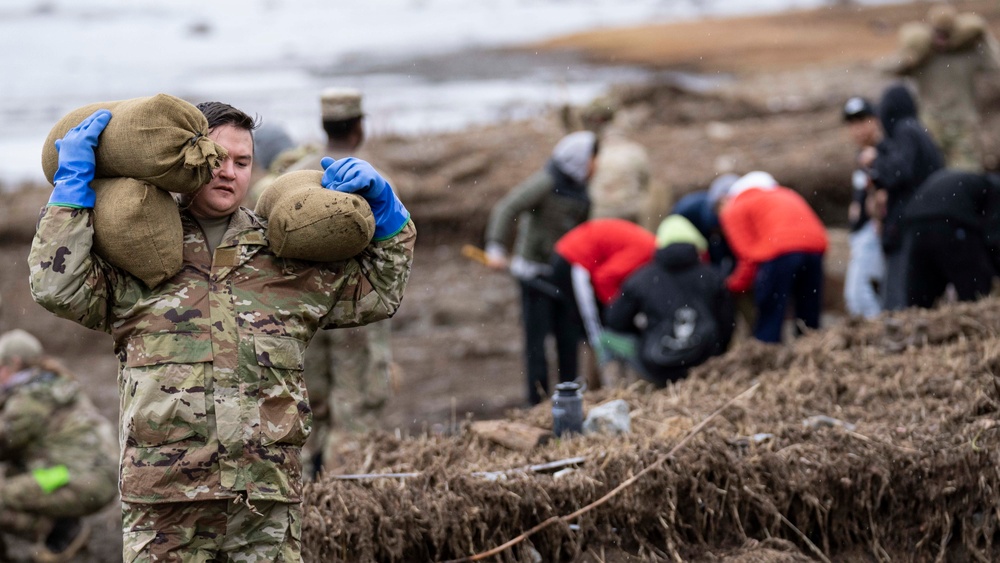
222	530
348	373
27	509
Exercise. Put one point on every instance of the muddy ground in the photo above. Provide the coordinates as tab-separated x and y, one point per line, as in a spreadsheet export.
781	81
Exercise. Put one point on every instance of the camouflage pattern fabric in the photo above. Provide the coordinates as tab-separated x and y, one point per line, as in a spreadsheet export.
201	531
47	424
958	138
946	91
620	185
213	401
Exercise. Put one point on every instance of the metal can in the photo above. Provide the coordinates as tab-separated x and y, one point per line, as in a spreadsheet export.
567	408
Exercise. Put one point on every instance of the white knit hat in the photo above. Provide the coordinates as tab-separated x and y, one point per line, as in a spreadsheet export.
572	154
759	180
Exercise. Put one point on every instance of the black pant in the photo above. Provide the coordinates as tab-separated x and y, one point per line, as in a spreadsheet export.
939	253
545	312
562	279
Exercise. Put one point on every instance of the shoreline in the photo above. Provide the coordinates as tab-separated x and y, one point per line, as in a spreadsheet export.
841	35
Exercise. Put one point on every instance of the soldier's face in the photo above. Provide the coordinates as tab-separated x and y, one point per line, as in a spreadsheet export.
222	195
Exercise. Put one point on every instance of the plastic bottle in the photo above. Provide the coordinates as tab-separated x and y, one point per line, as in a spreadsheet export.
567	409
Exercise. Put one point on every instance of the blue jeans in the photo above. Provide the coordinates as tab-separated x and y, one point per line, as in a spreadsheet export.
865	269
796	277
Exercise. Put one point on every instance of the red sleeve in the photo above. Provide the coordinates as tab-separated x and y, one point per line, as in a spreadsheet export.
741	280
610	275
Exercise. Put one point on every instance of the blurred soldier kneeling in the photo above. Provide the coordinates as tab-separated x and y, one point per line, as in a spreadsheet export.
58	455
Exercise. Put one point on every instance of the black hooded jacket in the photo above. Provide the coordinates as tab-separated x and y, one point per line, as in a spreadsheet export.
656	291
964	199
906	157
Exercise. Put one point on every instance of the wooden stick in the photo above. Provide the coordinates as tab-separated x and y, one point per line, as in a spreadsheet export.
659	461
537	468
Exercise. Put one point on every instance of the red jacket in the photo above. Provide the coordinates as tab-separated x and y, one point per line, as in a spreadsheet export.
762	224
610	250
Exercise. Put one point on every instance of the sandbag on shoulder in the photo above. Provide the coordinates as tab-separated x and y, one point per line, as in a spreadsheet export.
137	227
160	139
309	222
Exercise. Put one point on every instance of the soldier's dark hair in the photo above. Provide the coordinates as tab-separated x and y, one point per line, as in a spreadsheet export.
340	128
218	113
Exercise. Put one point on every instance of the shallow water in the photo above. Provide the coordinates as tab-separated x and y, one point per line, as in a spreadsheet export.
423	65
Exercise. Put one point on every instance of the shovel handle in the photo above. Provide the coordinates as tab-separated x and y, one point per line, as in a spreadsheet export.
474	253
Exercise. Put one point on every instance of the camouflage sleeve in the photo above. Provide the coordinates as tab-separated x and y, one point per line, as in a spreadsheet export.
65	277
19	422
377	278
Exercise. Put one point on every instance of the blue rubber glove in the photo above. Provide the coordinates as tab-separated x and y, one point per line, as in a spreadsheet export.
353	175
77	163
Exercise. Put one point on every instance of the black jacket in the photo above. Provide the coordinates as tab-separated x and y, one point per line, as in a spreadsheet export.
906	157
965	199
647	291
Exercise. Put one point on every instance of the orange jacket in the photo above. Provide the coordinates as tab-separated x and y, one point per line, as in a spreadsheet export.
762	224
610	250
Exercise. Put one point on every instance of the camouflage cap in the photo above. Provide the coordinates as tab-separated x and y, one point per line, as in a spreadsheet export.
599	111
18	343
339	104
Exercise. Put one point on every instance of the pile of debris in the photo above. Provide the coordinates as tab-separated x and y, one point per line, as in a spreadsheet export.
875	440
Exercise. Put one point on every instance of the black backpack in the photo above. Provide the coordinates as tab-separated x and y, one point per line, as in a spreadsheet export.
685	338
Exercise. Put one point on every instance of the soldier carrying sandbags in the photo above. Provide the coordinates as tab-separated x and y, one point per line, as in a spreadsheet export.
943	57
213	403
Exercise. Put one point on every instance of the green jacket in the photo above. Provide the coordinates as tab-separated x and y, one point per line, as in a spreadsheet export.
213	402
541	214
46	422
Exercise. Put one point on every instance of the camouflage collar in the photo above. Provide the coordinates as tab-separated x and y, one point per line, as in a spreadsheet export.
247	229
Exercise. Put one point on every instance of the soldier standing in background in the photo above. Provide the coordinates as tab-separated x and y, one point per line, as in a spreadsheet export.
620	187
943	58
59	456
349	371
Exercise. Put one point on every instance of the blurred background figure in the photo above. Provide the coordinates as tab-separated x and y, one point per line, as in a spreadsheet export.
951	235
544	208
621	186
349	371
699	207
58	455
943	57
902	157
866	266
673	313
779	243
589	264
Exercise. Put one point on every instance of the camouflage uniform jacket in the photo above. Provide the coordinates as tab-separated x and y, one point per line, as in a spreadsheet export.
45	421
620	185
212	397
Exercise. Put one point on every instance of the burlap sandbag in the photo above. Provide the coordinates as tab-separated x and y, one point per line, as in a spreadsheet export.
308	222
160	139
137	227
